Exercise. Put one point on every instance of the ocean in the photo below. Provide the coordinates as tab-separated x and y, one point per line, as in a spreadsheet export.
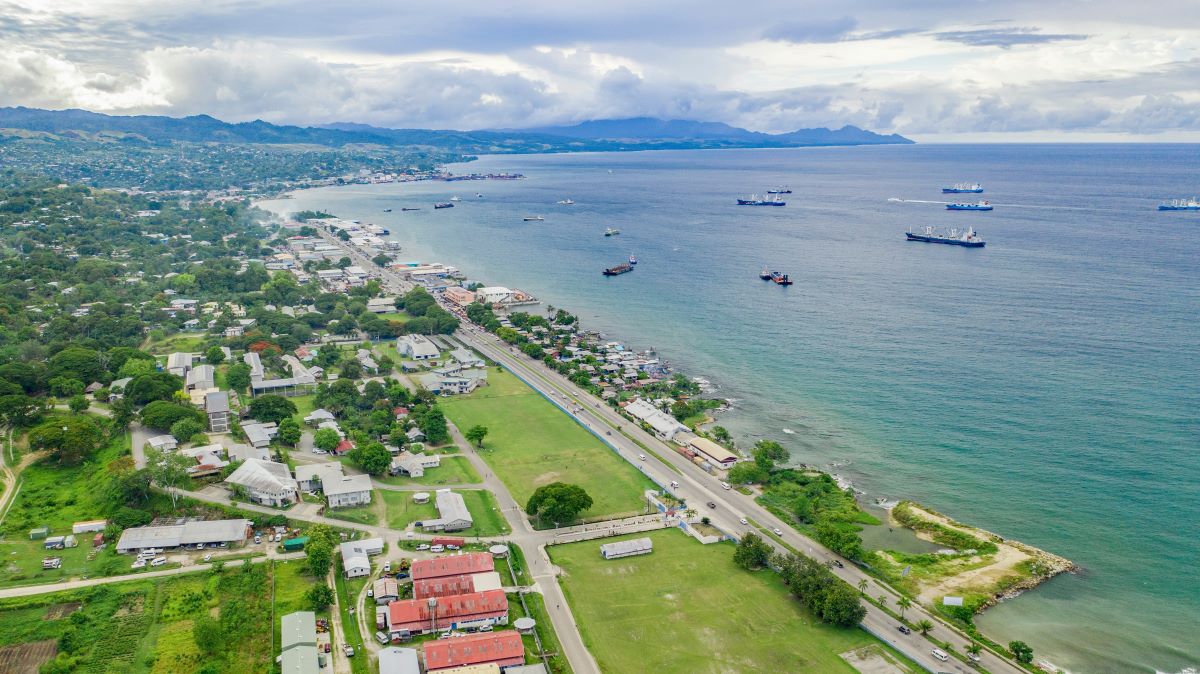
1046	387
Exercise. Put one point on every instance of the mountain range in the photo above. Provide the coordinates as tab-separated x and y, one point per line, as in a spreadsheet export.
609	134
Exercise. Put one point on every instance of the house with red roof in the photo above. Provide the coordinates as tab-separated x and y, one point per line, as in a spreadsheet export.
463	611
446	586
503	648
343	447
453	565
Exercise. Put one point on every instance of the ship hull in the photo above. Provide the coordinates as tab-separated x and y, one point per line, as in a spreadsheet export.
952	190
953	207
748	202
949	242
1179	208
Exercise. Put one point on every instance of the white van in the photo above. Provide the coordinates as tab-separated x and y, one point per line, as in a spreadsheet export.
940	655
158	561
726	485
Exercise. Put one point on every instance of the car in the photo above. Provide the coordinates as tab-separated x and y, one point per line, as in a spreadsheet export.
674	484
224	544
348	650
319	451
437	548
370	592
778	531
641	457
328	646
207	558
743	520
485	628
381	637
139	564
387	566
710	504
838	564
973	657
423	546
904	630
158	561
199	546
452	546
401	575
726	486
409	534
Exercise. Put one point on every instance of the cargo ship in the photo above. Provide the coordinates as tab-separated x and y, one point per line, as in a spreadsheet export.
611	232
978	206
618	270
443	204
782	189
755	200
406	208
1192	204
533	218
780	279
954	237
964	188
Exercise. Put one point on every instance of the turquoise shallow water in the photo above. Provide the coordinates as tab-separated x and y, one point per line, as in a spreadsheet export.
1045	387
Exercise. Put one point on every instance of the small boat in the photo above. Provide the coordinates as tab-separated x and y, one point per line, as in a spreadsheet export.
611	232
408	208
755	200
479	196
978	206
964	188
1192	204
455	199
533	218
780	279
966	238
443	204
765	274
618	270
387	210
567	202
782	189
632	259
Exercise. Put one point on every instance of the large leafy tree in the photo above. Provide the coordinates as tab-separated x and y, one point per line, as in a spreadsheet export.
77	363
238	376
272	408
69	439
289	432
768	453
20	410
169	470
558	502
161	415
752	552
153	386
373	458
476	434
326	439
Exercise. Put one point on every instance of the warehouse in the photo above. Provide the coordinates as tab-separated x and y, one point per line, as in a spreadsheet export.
637	546
502	648
463	611
211	532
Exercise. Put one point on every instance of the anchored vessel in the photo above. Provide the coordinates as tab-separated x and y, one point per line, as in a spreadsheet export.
443	204
533	218
406	208
782	189
387	210
567	202
765	274
780	279
755	200
618	270
964	188
611	232
954	237
455	199
632	259
979	206
1192	204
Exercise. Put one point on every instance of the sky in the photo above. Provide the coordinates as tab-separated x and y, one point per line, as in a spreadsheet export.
934	70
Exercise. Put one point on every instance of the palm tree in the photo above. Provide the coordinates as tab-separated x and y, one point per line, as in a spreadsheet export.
903	603
974	648
924	625
862	587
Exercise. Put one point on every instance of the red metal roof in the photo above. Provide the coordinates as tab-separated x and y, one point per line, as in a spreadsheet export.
503	648
447	540
454	565
414	614
442	587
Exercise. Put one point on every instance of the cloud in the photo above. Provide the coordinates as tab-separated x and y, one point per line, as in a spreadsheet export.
815	31
1004	37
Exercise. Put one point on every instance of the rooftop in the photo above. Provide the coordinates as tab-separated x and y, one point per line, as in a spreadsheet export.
473	649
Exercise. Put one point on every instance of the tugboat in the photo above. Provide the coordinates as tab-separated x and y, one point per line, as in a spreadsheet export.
964	188
533	218
765	274
443	204
755	200
632	259
780	279
955	237
611	232
1192	204
782	189
980	206
618	270
455	198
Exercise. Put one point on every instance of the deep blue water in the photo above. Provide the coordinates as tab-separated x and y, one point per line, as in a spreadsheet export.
1046	387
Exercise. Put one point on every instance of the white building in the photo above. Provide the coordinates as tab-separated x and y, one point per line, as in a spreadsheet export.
452	513
356	556
311	476
347	491
466	358
266	482
619	549
414	465
416	347
665	426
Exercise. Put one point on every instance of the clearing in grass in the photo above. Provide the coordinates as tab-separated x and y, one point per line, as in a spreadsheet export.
402	511
687	607
530	442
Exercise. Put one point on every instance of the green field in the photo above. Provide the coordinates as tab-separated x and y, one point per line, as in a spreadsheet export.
454	470
489	521
531	442
687	608
189	342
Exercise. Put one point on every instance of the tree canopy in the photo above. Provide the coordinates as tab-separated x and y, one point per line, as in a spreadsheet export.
558	502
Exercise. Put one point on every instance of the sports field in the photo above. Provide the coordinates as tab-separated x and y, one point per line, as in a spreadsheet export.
687	608
530	442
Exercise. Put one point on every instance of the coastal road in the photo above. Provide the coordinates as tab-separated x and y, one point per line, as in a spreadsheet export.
664	465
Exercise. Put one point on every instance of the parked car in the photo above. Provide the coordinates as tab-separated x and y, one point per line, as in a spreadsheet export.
199	546
744	521
437	548
207	558
319	451
710	504
381	637
158	561
387	566
139	564
423	546
726	486
452	546
257	538
485	628
348	650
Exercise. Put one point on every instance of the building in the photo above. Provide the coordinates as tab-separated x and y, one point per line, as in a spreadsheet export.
318	416
163	443
453	565
461	382
252	359
210	459
414	465
298	643
178	364
347	491
89	526
452	513
459	295
386	590
537	668
200	377
240	452
310	476
216	406
494	295
356	556
619	549
463	611
416	347
395	660
466	358
210	532
447	586
258	434
716	454
381	305
502	648
665	426
266	482
415	434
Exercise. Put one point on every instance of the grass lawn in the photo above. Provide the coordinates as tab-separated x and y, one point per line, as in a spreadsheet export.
189	342
531	442
454	470
489	521
304	407
545	631
687	608
347	591
397	316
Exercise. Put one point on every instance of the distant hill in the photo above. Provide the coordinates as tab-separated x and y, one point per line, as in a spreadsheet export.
614	134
